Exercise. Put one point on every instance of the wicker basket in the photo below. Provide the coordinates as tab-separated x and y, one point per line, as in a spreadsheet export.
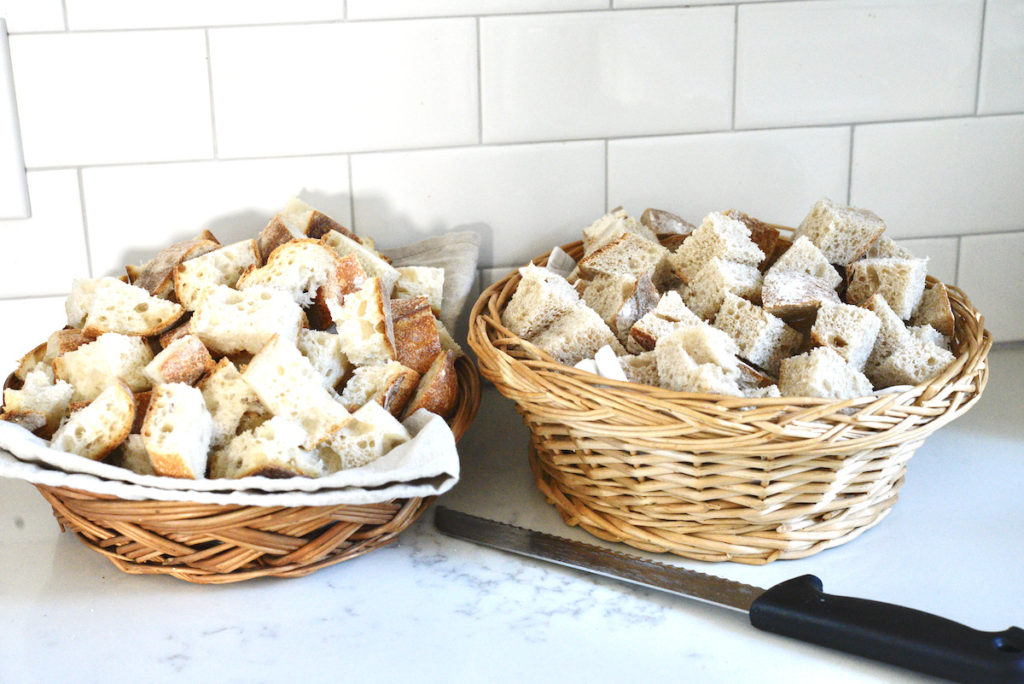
218	544
710	477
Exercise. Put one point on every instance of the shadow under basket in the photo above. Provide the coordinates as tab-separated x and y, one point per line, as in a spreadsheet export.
711	477
218	544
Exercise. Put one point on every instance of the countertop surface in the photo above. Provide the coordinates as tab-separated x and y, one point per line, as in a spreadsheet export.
430	609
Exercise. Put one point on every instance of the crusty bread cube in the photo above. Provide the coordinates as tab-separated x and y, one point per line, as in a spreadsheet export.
133	456
417	342
804	257
64	341
302	219
669	314
421	281
900	281
185	360
641	368
274	449
229	398
610	227
706	291
369	259
791	294
821	372
663	222
79	301
934	309
301	268
540	298
576	335
287	384
717	236
157	275
371	433
913	362
762	338
843	234
122	308
365	325
391	385
41	393
97	429
886	247
194	278
177	332
230	321
687	364
324	351
765	236
849	330
628	254
177	431
438	388
93	367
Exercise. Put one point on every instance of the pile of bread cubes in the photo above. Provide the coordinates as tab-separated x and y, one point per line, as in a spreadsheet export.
297	353
734	307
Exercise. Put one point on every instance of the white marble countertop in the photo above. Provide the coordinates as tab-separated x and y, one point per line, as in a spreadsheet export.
434	609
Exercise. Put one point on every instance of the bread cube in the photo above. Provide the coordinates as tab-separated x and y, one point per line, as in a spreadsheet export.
301	268
763	235
371	433
913	362
229	399
691	360
132	455
607	292
576	335
230	321
324	350
804	257
97	429
93	367
628	254
843	234
223	266
821	372
417	342
791	294
421	281
717	236
669	314
762	338
41	393
610	227
886	247
157	275
438	388
184	360
177	431
900	281
665	222
121	308
641	368
705	293
302	219
274	449
391	385
365	325
368	258
934	309
848	330
540	298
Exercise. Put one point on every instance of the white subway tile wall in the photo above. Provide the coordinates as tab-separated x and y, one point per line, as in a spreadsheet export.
522	120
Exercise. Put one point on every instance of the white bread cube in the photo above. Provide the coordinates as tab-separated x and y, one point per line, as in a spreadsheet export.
371	433
899	281
849	330
762	338
274	449
133	456
288	385
927	333
706	291
229	399
223	266
821	373
792	294
93	367
804	257
41	393
680	371
364	324
886	247
610	227
438	388
669	314
641	368
628	254
661	222
324	351
177	431
185	360
128	310
540	298
448	343
391	385
421	281
717	236
935	310
607	292
157	275
369	259
80	300
63	341
843	234
97	429
230	321
576	335
300	268
702	344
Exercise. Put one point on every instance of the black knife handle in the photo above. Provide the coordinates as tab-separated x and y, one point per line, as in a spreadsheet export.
893	634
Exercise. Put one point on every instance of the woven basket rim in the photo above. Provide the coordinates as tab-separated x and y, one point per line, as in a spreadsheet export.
491	341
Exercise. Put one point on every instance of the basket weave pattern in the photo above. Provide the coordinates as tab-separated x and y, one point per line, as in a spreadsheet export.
710	477
217	544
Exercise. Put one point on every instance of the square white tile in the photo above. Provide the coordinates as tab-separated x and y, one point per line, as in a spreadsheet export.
521	199
941	253
843	61
776	175
43	253
991	272
26	16
106	98
338	87
1002	58
134	211
394	9
128	14
598	74
948	177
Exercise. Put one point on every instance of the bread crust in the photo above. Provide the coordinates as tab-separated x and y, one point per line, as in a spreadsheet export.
156	276
185	361
438	388
417	342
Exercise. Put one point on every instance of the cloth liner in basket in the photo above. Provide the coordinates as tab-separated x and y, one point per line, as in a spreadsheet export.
711	477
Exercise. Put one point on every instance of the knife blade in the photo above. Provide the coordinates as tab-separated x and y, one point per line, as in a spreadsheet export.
796	608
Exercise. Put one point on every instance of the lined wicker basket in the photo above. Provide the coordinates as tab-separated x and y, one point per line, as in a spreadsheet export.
218	544
718	478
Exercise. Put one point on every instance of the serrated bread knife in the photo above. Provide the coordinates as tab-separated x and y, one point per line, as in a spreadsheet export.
795	608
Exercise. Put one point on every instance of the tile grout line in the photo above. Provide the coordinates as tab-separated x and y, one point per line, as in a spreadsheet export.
85	220
606	198
981	54
351	194
479	89
956	268
735	66
849	169
64	11
209	79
